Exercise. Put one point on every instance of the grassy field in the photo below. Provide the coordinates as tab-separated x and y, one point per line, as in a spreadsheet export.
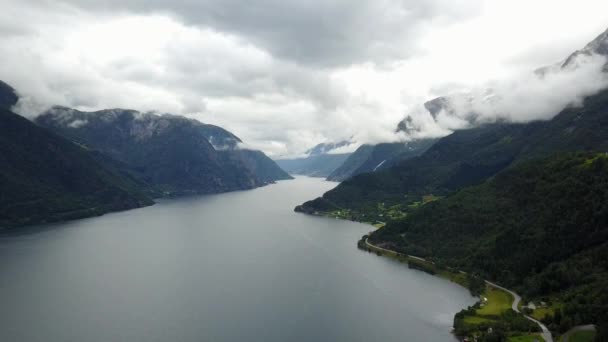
540	313
477	320
498	302
525	338
582	336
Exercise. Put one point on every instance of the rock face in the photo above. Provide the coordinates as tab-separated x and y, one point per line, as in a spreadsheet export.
47	178
175	154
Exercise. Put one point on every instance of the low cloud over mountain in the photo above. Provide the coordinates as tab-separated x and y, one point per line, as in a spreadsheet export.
283	75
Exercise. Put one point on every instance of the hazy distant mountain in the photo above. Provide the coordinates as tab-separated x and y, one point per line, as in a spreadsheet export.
175	154
319	162
314	166
371	158
47	178
326	148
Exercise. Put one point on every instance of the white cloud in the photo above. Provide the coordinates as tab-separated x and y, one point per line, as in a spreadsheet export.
284	75
521	98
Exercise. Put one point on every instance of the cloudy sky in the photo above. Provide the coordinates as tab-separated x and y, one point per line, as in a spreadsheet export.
283	75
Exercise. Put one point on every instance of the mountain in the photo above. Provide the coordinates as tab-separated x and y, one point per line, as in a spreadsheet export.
540	226
326	148
8	96
468	157
598	46
175	154
371	158
46	178
319	160
465	108
314	166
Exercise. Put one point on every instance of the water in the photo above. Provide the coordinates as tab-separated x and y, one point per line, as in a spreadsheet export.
233	267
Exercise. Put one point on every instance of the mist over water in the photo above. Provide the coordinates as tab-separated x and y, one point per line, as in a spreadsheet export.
233	267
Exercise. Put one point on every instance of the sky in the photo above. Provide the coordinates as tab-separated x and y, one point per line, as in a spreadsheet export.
285	75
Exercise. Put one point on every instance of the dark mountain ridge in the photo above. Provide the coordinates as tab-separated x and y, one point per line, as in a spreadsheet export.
176	154
45	178
8	96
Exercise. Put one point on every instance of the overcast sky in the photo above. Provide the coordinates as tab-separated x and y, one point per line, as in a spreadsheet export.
283	75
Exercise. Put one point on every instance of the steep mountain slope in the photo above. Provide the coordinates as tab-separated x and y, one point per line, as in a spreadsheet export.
371	158
470	156
8	96
262	167
45	178
597	46
175	154
540	226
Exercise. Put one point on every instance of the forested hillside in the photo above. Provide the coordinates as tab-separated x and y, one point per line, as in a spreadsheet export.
468	157
540	227
46	178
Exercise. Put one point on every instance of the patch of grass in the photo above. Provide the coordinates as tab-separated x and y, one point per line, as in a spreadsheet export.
582	336
498	302
525	338
540	313
429	198
477	320
590	161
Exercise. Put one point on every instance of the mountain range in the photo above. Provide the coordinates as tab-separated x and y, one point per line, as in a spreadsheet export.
175	154
69	164
469	156
520	204
46	178
372	158
320	161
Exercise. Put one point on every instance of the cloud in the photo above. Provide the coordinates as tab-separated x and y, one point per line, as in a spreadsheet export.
282	75
522	98
320	33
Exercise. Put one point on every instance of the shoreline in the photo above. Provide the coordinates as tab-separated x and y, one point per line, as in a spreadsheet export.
93	212
546	334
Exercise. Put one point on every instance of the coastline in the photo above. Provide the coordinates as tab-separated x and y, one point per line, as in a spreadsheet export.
546	334
98	211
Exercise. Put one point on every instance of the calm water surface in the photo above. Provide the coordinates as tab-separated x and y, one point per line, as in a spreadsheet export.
233	267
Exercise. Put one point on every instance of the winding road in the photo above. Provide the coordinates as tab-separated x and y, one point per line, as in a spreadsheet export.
515	306
546	334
